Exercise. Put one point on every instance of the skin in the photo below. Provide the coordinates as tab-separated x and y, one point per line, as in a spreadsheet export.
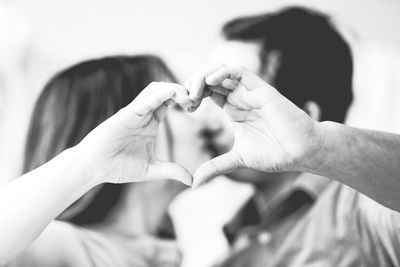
139	216
273	135
120	150
247	109
139	194
221	138
139	212
136	220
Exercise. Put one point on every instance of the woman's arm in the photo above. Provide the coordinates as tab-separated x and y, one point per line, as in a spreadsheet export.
29	203
119	150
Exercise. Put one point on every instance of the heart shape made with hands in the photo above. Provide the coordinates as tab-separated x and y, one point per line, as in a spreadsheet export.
271	134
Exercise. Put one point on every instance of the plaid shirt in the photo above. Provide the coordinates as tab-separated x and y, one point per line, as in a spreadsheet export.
339	228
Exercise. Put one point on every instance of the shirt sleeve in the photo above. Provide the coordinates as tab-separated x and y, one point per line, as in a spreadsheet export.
379	230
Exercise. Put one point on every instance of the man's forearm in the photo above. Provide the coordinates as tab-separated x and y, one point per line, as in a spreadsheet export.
368	161
29	203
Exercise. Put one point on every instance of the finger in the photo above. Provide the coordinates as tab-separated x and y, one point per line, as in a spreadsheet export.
188	82
223	164
169	102
153	96
218	89
197	85
218	99
223	73
230	84
244	77
196	105
251	81
188	85
160	113
244	99
206	93
181	98
159	170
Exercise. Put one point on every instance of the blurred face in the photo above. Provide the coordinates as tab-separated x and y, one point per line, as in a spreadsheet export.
177	141
218	137
186	145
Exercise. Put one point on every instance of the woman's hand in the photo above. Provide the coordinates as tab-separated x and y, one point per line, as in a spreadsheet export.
120	150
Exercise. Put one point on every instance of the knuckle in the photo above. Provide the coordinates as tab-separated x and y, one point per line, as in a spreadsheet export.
214	167
153	84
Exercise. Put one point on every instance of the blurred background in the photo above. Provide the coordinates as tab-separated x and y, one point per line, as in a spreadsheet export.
39	38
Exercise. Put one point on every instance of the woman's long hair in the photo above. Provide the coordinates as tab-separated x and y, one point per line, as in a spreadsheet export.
78	99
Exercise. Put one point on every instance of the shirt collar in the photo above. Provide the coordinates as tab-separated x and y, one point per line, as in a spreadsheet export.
310	185
296	196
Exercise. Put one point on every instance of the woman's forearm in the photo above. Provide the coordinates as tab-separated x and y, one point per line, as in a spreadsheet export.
368	161
28	204
116	151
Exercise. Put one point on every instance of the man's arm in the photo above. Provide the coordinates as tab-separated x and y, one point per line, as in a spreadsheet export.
119	150
368	161
274	135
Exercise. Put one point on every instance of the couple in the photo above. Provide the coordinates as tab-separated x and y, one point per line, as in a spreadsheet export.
271	135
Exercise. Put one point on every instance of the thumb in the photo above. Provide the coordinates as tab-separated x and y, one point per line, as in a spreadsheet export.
159	170
223	164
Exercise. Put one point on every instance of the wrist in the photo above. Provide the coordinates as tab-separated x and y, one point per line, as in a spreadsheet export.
318	147
77	165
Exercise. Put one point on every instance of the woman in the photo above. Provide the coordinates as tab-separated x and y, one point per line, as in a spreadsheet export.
122	223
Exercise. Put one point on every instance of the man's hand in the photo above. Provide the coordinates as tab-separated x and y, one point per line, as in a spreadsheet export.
271	133
120	150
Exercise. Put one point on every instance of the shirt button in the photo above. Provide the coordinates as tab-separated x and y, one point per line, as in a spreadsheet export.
263	238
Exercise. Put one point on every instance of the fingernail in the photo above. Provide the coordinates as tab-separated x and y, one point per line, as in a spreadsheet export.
191	109
194	185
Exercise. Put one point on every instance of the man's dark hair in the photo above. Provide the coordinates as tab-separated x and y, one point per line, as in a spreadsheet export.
316	62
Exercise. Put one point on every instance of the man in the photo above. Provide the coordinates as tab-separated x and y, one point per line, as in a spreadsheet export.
295	218
282	138
343	228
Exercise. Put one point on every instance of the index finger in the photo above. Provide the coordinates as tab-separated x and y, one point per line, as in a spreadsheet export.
197	83
224	74
231	77
157	94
